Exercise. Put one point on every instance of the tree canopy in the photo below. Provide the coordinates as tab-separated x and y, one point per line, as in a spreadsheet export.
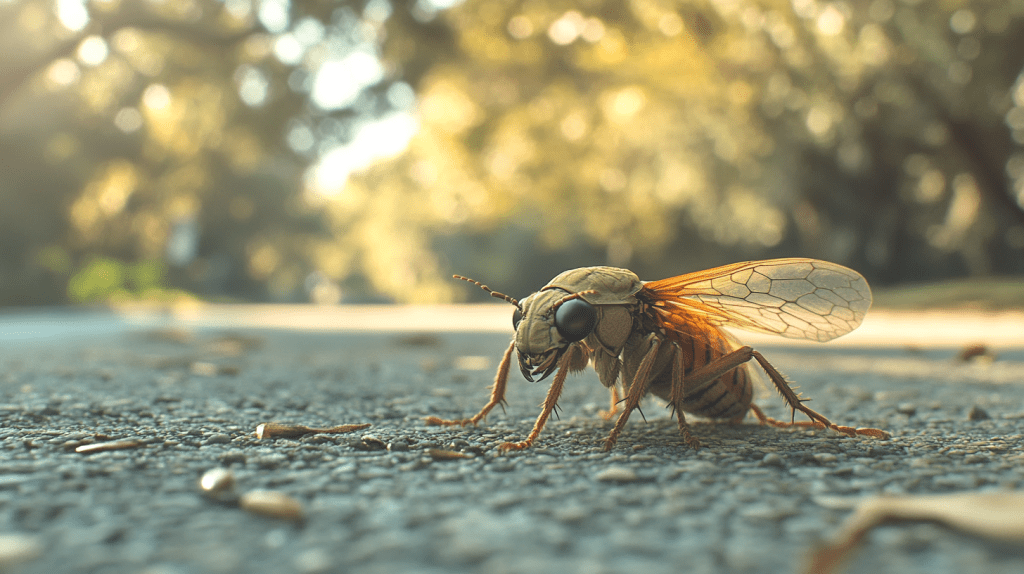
365	150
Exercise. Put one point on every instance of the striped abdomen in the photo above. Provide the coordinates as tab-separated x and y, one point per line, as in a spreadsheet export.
727	397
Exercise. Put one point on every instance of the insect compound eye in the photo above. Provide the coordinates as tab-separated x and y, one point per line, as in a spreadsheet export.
517	316
575	319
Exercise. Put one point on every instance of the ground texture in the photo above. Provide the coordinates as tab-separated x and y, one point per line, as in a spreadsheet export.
754	499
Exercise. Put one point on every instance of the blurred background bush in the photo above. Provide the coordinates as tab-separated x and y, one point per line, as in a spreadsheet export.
364	150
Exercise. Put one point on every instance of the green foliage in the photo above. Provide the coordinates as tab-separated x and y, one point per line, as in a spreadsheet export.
103	279
236	151
100	279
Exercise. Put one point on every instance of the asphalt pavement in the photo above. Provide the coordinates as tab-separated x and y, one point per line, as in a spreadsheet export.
173	397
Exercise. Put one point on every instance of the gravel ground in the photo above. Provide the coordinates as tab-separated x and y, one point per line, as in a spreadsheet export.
754	499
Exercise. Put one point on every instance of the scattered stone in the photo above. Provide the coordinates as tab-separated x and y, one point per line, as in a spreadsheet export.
977	414
313	561
270	461
443	454
236	456
370	442
766	512
617	474
398	446
18	548
976	352
203	369
218	438
908	409
572	514
218	484
271	503
773	459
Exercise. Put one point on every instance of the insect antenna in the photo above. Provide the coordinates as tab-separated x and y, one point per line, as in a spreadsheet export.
493	293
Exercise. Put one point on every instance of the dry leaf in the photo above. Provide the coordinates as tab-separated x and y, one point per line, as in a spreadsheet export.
281	430
105	446
997	516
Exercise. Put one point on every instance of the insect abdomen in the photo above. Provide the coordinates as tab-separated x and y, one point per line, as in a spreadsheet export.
727	397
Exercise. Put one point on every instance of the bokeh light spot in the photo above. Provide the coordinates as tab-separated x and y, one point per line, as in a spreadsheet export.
338	83
93	50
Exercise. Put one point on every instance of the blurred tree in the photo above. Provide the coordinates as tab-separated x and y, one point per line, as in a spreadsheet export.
670	136
232	148
176	133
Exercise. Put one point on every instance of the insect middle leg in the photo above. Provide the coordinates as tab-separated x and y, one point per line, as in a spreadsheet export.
712	371
677	395
637	389
613	408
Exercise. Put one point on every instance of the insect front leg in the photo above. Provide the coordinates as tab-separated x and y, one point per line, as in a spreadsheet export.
637	389
574	360
497	394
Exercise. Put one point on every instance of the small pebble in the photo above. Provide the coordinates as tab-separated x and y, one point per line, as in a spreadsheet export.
233	457
271	503
370	442
218	484
906	409
18	548
976	352
773	459
442	454
218	438
398	446
313	560
203	369
616	474
766	512
977	414
572	514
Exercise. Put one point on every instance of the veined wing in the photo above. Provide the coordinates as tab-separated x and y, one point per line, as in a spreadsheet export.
796	298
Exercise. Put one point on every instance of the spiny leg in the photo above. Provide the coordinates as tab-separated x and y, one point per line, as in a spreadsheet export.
710	372
850	431
497	394
677	395
570	362
636	391
796	403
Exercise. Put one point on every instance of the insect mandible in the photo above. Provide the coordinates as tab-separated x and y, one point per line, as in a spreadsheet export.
666	338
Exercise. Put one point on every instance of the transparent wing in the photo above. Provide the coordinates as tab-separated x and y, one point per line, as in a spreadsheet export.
795	298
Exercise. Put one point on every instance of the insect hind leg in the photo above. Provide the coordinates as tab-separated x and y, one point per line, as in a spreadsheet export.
710	372
796	403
